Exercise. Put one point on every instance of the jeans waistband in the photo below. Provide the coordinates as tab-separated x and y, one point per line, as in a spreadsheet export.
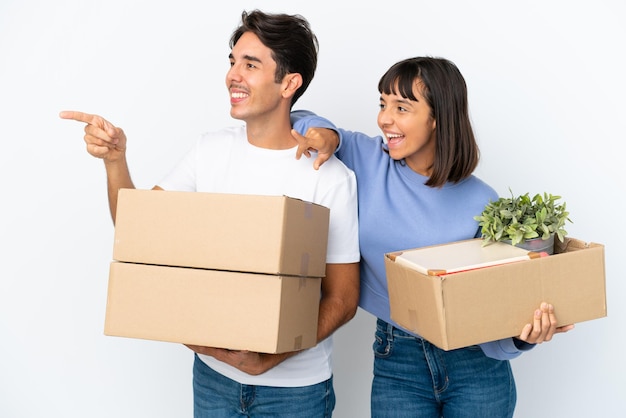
393	330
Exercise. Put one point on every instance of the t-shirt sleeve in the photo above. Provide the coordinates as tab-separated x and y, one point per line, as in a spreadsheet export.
343	233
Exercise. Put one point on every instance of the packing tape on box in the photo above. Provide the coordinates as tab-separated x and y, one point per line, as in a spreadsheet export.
308	210
297	343
304	264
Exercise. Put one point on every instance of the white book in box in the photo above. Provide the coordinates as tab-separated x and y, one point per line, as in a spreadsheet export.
461	256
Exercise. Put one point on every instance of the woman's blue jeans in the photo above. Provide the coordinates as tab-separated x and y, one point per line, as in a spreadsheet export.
413	378
216	396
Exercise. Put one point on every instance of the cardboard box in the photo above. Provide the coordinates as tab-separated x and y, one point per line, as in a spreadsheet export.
475	306
263	234
239	311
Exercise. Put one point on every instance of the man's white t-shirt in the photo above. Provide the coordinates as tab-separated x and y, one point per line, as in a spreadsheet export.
225	162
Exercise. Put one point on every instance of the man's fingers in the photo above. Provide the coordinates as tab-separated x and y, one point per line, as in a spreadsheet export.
78	116
99	151
89	119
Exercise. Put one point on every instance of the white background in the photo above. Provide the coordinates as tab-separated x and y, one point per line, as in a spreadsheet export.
547	94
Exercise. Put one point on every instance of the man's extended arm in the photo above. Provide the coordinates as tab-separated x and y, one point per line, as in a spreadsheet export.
107	142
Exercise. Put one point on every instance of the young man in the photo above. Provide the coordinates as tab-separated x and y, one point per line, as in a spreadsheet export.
273	59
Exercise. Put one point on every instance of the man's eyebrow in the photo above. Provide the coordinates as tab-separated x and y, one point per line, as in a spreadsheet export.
245	57
251	58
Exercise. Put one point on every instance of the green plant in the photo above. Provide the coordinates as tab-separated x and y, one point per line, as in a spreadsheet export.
519	218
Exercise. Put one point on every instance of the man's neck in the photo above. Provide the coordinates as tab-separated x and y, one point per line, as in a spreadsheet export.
270	132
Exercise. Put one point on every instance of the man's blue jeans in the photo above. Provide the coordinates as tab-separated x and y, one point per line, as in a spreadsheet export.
216	396
413	378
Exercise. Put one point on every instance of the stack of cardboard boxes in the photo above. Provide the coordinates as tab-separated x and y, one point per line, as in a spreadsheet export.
233	271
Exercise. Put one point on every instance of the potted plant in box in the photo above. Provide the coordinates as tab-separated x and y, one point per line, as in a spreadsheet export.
531	223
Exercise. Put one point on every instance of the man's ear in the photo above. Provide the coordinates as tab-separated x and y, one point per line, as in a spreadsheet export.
291	83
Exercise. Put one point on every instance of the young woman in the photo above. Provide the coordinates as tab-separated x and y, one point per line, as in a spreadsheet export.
416	188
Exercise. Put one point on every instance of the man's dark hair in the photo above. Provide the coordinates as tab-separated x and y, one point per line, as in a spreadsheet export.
294	45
